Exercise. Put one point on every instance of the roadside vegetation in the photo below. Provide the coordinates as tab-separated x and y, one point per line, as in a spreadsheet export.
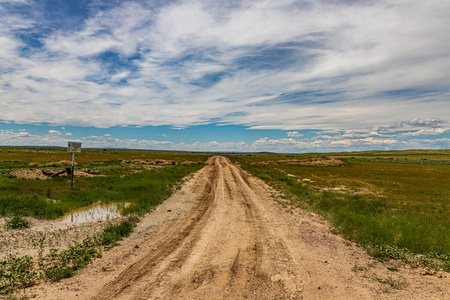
141	186
395	203
17	222
25	271
140	179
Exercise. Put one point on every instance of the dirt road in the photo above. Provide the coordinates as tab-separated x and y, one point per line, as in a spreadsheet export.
222	236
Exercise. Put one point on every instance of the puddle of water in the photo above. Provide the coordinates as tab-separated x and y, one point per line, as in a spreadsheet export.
94	212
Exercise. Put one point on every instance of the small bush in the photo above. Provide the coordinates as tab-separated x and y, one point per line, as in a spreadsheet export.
435	261
446	267
17	222
59	271
16	272
114	233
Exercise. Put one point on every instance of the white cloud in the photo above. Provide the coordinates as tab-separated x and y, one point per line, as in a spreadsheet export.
412	124
294	134
349	141
443	143
119	76
429	123
23	134
54	132
355	59
68	134
425	132
14	1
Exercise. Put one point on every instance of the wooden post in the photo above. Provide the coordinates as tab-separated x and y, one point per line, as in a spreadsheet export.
73	166
73	147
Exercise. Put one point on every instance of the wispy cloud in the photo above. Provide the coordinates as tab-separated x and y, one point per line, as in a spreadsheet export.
288	65
54	132
331	141
294	134
412	124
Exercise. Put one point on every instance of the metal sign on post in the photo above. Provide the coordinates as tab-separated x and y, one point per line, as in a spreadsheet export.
73	147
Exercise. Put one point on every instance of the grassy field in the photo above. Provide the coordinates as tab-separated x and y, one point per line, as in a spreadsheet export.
115	181
395	201
119	176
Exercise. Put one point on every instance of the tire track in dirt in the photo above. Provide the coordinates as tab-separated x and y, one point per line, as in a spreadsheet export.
166	244
222	249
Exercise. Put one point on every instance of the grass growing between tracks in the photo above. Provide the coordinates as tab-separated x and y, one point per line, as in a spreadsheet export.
395	209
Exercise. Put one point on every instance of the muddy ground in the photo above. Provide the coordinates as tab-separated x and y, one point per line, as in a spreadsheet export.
224	235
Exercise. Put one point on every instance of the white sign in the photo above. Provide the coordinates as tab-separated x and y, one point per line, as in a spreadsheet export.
74	147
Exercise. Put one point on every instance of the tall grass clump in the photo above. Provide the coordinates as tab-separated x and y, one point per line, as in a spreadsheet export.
17	222
32	206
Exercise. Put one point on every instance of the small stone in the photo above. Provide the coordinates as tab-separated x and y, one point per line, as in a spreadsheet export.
427	272
136	246
275	278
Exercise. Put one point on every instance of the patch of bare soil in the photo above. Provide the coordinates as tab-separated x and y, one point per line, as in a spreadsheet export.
49	173
223	236
313	162
361	187
52	164
44	235
29	174
161	162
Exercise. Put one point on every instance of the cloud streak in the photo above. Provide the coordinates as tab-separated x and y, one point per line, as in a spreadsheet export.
323	141
286	65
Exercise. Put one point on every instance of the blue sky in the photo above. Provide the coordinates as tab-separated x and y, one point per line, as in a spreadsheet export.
284	76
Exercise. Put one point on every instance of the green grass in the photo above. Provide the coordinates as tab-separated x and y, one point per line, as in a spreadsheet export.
59	264
17	222
25	271
374	202
141	188
12	157
16	273
48	199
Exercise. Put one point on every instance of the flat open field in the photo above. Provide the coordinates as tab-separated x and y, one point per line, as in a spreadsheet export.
225	234
395	198
141	178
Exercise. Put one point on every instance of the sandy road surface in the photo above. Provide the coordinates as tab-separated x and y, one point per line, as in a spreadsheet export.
224	237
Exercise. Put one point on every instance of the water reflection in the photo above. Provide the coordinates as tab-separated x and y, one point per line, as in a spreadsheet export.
94	212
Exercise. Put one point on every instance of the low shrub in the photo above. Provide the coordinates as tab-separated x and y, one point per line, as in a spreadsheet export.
58	272
22	272
114	233
17	222
16	272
